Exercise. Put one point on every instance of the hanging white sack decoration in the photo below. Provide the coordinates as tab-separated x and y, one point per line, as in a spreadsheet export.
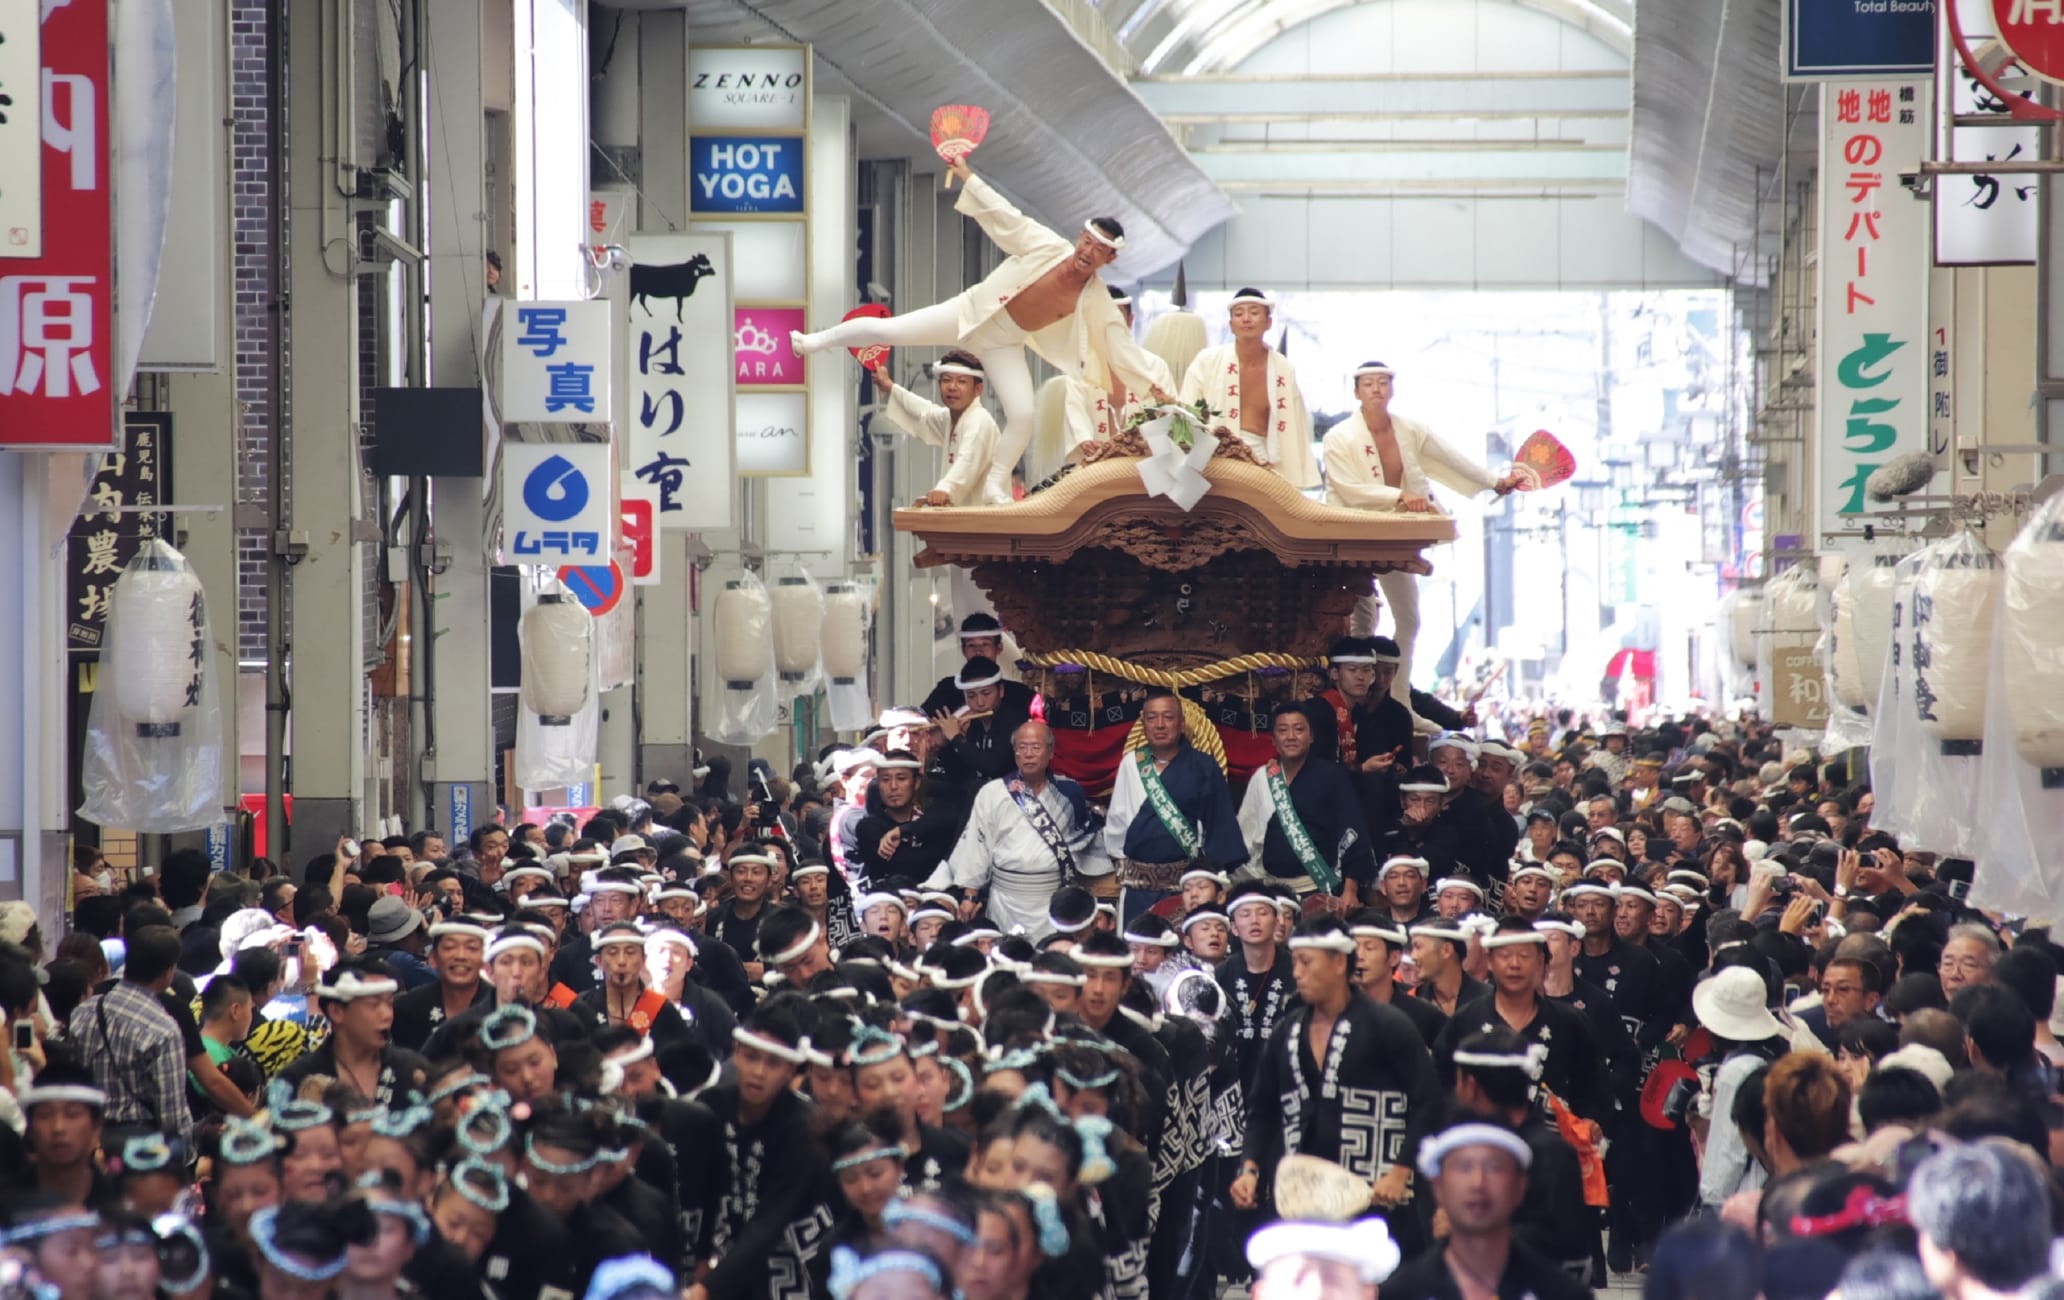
1955	602
1869	600
1789	620
798	623
152	758
1895	732
1848	723
1748	616
558	728
1955	611
747	709
2020	853
844	641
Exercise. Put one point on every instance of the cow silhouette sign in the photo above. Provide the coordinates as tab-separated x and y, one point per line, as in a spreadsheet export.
676	280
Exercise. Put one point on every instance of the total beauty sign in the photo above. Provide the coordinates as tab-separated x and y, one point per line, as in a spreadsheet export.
1871	361
57	302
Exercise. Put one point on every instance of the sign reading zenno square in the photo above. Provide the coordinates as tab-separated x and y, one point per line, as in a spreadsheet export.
748	88
555	362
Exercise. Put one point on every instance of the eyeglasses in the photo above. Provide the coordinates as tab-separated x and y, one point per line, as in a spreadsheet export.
1967	965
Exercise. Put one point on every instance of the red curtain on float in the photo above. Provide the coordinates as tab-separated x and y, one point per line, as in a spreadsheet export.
1091	756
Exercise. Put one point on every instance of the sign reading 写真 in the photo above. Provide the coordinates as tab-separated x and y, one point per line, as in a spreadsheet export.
555	362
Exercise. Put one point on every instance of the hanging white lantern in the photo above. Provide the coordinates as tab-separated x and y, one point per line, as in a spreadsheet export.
798	615
844	632
1955	601
1748	614
558	648
1871	596
1845	668
1832	568
2030	619
155	648
1794	604
744	616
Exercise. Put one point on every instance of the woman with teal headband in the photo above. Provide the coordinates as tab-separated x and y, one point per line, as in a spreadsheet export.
867	1160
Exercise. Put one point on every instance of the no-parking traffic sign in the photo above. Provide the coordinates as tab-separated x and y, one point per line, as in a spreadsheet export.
597	587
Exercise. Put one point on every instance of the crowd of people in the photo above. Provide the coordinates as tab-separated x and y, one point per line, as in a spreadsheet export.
1451	1017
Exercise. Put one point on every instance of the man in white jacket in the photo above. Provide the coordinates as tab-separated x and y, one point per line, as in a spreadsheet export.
957	422
1254	389
1045	295
1379	461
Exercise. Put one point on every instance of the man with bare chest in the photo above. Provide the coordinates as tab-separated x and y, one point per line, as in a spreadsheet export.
1046	295
1376	460
1254	389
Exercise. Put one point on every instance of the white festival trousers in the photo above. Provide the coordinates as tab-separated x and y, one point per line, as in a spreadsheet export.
1401	593
997	341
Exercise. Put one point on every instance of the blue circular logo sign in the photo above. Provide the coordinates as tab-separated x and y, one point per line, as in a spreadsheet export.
556	490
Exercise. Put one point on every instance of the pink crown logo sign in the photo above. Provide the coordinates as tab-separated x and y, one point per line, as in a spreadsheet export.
760	345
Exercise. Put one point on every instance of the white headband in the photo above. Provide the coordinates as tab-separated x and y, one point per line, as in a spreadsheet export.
797	1055
1436	1149
1332	941
615	936
629	887
898	765
1459	882
1395	938
972	684
1337	660
1512	938
1254	295
1463	743
796	950
879	899
1536	869
1423	787
1218	878
524	873
460	930
931	912
1373	370
678	938
79	1092
1635	892
1199	915
1103	961
954	368
807	869
1455	934
1570	928
352	985
1586	887
747	859
642	1052
1158	940
1054	977
1108	241
1365	1247
1533	1060
1417	864
516	943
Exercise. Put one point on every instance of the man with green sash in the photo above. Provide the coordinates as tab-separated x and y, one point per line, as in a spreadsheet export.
1301	819
1170	809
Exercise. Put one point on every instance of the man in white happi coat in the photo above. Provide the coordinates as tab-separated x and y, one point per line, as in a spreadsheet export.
1379	461
1028	834
1254	388
1100	413
957	423
1045	295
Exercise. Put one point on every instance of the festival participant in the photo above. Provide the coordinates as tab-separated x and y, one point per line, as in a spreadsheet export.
1530	890
1561	983
1479	1174
736	920
885	1081
1456	897
884	916
812	885
1045	295
981	637
1572	1062
516	976
457	945
1170	808
1201	885
625	996
957	424
1440	949
794	947
1402	885
1258	980
1029	834
1342	1078
1302	821
1206	936
614	894
1495	1077
1362	724
1378	946
64	1110
1419	831
1058	980
357	998
1253	389
773	1170
1326	1261
1472	807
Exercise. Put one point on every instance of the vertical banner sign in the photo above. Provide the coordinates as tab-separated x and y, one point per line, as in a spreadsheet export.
640	549
556	504
1872	347
461	813
1986	219
1829	39
57	318
608	219
748	163
21	129
678	372
101	545
555	362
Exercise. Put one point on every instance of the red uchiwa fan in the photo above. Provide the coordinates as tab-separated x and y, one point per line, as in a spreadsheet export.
1543	462
874	355
956	130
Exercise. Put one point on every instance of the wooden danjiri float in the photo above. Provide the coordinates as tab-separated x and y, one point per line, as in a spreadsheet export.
1110	590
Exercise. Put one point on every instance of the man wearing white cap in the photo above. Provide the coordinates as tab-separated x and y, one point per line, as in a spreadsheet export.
1378	461
1479	1174
1028	834
1254	389
1045	295
1321	1261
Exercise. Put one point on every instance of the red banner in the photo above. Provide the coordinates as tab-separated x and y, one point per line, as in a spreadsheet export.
57	318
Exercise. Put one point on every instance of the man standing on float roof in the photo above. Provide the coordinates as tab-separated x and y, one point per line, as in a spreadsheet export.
1045	295
957	423
1254	389
1379	461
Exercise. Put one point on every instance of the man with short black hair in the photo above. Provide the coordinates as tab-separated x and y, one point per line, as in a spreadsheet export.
357	997
132	1043
957	424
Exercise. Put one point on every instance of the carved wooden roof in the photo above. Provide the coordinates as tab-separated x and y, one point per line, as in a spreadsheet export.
1104	506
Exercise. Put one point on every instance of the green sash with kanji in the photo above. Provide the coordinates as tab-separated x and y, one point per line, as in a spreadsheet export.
1163	804
1321	871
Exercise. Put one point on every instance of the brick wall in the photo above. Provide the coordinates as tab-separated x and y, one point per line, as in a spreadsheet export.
253	65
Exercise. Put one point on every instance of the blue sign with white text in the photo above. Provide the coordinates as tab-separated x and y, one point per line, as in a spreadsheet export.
731	174
1859	38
